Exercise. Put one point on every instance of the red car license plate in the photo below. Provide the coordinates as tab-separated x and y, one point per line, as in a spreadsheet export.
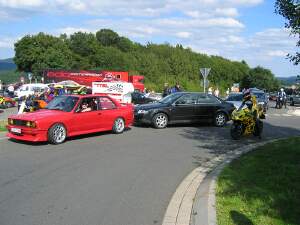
15	130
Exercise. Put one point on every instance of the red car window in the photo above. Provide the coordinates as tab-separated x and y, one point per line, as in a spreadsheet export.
106	103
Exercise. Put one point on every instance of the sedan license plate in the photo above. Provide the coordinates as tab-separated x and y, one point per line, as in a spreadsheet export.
15	130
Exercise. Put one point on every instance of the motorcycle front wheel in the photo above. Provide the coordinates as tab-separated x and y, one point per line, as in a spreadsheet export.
236	131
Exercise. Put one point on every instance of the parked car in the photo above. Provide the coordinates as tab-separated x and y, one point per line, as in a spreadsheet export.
71	115
294	99
261	98
273	96
29	89
184	107
236	98
142	98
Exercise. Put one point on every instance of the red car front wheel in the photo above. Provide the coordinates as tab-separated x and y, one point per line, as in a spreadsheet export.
57	134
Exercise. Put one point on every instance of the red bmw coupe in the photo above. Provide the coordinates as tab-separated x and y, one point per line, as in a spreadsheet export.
71	115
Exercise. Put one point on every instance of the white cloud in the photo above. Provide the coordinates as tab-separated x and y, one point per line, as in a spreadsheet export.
230	12
7	42
183	34
194	8
21	3
70	30
244	2
277	53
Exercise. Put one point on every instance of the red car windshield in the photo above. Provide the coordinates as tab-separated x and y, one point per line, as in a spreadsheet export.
64	103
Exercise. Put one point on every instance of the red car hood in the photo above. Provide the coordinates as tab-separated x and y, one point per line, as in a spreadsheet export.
40	114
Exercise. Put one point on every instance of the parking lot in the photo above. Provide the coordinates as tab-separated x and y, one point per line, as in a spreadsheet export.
113	179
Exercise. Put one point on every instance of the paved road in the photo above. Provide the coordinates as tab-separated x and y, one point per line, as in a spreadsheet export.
108	179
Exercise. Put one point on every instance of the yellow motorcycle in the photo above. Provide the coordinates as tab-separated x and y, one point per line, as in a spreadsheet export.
247	120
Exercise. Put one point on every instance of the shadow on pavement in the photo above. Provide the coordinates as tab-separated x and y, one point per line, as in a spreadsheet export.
217	140
239	218
83	136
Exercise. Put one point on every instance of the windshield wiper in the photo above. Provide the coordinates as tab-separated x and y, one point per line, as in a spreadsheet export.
55	109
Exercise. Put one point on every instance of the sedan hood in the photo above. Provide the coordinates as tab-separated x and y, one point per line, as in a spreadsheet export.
236	104
40	114
150	106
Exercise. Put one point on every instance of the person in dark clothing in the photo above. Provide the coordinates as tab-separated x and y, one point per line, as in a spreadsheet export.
176	88
166	90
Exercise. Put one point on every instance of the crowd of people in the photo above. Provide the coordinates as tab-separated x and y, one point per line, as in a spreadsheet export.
41	99
170	90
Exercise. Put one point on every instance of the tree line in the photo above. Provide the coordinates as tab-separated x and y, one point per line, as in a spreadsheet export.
159	63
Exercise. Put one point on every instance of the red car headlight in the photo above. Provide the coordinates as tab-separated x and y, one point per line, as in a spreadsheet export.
31	124
10	121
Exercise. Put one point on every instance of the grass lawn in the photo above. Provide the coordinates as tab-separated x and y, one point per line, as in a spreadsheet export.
262	187
2	125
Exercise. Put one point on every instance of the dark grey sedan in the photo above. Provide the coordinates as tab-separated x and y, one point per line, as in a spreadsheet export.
184	107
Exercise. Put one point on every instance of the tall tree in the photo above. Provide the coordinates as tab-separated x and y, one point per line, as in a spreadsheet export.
37	52
290	10
107	37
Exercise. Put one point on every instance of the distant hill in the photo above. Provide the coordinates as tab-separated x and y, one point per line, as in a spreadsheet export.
7	64
288	80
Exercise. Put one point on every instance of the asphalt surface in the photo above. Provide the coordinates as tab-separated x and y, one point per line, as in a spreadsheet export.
107	179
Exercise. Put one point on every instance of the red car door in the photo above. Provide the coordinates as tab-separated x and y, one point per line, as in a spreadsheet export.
87	116
109	112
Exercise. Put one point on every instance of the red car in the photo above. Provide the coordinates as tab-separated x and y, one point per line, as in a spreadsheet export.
71	115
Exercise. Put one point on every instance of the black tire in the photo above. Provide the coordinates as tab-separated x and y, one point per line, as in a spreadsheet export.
160	120
258	129
57	134
119	126
220	119
236	131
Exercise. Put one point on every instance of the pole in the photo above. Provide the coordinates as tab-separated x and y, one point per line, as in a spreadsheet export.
204	72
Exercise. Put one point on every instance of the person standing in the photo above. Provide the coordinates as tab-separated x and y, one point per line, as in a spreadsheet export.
176	88
216	92
227	92
166	90
11	90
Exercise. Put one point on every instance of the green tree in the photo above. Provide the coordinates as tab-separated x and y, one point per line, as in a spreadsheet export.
107	37
290	10
83	44
261	78
37	52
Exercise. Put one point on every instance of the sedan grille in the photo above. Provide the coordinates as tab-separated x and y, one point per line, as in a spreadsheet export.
19	122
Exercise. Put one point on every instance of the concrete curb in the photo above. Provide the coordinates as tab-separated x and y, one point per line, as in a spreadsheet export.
194	200
206	194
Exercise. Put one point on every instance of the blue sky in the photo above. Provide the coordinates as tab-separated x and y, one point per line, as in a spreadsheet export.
234	29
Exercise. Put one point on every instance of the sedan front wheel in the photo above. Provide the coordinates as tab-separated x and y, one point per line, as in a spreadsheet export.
220	119
160	120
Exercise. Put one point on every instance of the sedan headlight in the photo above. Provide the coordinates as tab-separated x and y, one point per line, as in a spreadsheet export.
142	111
31	124
10	121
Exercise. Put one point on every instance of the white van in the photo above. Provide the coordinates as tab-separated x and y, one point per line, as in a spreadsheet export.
121	91
29	89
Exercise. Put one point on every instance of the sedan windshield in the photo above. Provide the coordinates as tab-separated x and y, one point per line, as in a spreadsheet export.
64	103
260	95
236	97
170	98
